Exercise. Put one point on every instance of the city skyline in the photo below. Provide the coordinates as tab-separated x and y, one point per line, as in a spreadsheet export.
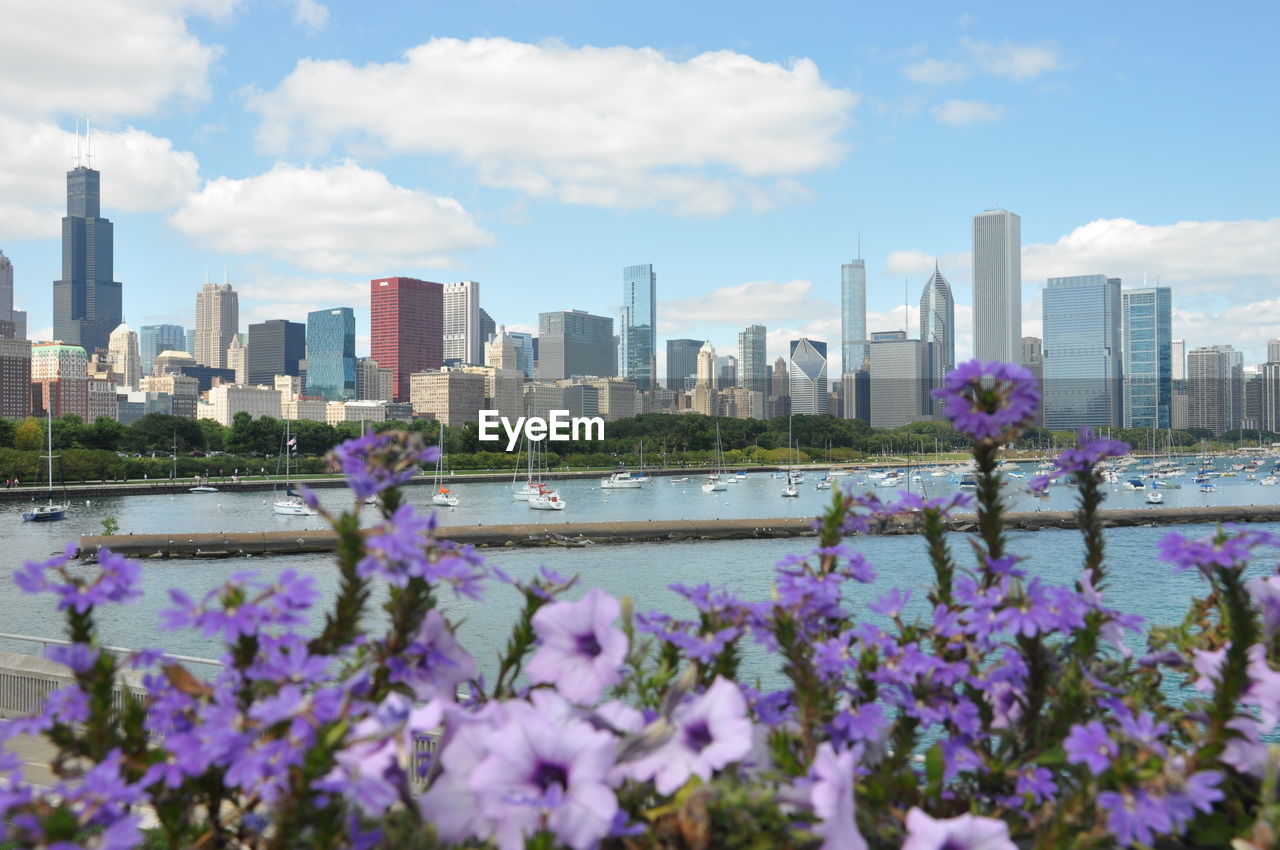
217	154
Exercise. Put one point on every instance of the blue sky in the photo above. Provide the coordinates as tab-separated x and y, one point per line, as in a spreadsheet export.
538	147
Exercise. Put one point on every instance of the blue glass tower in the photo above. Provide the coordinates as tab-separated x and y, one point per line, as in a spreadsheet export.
331	353
1082	361
639	325
1148	357
153	339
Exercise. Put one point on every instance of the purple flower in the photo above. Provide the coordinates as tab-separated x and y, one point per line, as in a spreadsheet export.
1229	548
891	604
707	734
1135	817
546	772
1264	687
582	651
831	796
1245	750
1037	782
1198	793
1090	745
985	400
117	580
1089	452
433	664
1208	663
966	832
1266	594
376	462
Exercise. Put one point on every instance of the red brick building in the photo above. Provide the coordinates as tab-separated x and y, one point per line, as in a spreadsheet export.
407	328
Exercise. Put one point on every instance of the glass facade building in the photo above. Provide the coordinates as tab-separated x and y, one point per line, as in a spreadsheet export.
753	365
938	330
1082	360
853	316
639	325
682	361
1148	357
807	376
276	347
86	301
574	343
331	353
153	339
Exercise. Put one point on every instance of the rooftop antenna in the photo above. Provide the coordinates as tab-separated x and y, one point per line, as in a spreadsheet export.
224	276
906	310
88	142
75	157
859	244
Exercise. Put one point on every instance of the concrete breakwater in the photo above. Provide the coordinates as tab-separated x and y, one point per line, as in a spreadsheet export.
231	544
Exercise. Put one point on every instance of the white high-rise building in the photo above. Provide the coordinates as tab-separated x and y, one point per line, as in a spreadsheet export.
217	321
1178	347
1273	351
706	368
807	376
463	341
853	315
997	286
122	345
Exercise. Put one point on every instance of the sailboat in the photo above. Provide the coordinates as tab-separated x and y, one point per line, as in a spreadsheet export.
530	486
442	495
51	511
202	483
640	475
790	491
291	504
544	498
714	483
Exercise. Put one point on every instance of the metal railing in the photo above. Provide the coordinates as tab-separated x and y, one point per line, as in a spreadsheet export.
114	650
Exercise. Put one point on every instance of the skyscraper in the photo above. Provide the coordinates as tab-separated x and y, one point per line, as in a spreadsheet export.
13	323
1179	358
899	380
807	376
15	378
682	361
460	323
1033	359
1213	371
938	329
406	328
1082	359
276	347
639	325
726	372
331	354
123	347
523	343
997	286
217	320
706	368
153	339
1273	351
853	315
86	301
780	402
575	343
1148	357
753	367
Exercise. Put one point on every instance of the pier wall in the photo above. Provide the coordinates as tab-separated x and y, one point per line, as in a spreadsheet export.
653	531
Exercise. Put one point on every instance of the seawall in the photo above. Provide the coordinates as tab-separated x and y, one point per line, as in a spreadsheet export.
594	533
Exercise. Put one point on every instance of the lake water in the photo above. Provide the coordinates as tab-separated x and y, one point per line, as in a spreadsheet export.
1138	582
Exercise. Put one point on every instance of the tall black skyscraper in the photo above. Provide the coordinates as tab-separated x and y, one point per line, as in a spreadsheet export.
276	347
86	302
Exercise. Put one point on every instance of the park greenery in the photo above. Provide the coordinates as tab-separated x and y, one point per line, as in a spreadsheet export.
991	710
105	450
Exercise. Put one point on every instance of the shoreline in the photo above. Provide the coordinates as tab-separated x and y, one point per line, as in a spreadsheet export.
582	534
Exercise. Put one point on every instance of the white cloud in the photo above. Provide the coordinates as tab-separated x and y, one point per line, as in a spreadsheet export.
341	219
964	112
1201	257
913	262
613	127
936	71
141	172
1016	61
744	304
125	57
311	15
1251	326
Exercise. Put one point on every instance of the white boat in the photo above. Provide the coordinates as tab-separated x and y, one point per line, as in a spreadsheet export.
202	488
714	483
291	504
892	480
621	481
1269	481
1208	488
1155	497
790	490
680	480
546	499
1134	484
836	472
530	486
824	484
51	511
442	497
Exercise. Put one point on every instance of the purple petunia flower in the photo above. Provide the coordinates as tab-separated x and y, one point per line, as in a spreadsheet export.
545	773
831	796
986	400
582	650
708	733
1090	745
1266	594
966	832
1135	817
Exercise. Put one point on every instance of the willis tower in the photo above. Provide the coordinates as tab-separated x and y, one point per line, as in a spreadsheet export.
86	302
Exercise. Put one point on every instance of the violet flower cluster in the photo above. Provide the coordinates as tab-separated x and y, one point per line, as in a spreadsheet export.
992	710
